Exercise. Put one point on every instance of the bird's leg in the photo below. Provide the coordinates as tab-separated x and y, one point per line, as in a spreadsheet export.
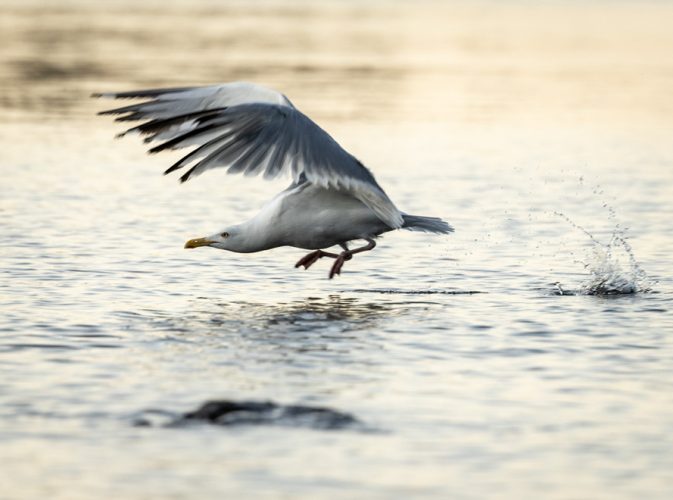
311	258
345	247
348	255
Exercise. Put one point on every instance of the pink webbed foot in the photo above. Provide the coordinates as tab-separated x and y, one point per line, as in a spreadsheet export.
338	264
313	257
348	255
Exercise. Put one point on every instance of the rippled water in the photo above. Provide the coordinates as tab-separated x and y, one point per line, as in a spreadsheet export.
473	375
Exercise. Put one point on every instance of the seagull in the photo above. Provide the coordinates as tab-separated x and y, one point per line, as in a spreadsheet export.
246	128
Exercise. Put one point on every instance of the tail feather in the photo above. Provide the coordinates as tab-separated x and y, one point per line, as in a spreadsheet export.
426	224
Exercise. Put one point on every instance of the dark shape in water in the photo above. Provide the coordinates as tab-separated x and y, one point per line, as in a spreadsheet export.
267	413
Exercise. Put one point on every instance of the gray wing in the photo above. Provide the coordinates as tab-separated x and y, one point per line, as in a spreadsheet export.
251	130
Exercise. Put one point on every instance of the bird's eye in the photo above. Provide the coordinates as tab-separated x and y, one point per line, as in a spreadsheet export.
225	235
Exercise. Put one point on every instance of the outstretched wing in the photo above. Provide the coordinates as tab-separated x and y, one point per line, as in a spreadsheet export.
252	130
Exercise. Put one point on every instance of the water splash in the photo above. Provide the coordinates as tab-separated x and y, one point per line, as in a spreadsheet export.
612	267
610	274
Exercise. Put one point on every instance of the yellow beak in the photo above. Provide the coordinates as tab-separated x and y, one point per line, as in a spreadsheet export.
198	242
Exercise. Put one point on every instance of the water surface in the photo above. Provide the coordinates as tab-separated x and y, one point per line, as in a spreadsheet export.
523	125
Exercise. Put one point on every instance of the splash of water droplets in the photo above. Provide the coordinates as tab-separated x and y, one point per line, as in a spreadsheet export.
610	274
612	266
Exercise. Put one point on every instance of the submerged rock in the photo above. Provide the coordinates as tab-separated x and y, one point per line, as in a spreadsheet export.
231	413
255	412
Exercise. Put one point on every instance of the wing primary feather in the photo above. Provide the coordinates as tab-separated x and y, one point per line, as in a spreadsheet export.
256	140
228	152
161	124
135	94
177	140
194	154
144	107
255	154
245	131
133	117
278	156
123	109
185	177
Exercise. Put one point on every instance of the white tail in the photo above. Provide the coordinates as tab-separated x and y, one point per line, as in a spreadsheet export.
426	224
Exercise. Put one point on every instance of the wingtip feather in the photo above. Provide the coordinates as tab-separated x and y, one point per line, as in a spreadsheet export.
105	95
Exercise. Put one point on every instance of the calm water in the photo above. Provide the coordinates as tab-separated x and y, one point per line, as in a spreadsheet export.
519	124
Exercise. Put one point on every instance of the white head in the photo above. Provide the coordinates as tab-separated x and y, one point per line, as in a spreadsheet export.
231	238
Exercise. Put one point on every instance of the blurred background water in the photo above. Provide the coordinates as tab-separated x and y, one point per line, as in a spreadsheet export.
541	131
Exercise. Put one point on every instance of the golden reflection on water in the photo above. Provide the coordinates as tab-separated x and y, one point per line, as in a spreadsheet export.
597	63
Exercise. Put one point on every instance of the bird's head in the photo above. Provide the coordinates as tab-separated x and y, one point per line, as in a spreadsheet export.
227	239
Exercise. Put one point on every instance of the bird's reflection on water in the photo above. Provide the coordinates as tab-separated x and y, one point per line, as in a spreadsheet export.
328	328
305	350
333	311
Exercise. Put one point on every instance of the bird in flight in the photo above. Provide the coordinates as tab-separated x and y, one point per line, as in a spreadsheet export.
249	129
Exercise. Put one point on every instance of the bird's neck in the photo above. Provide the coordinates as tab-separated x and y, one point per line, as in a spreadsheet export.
264	230
254	236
